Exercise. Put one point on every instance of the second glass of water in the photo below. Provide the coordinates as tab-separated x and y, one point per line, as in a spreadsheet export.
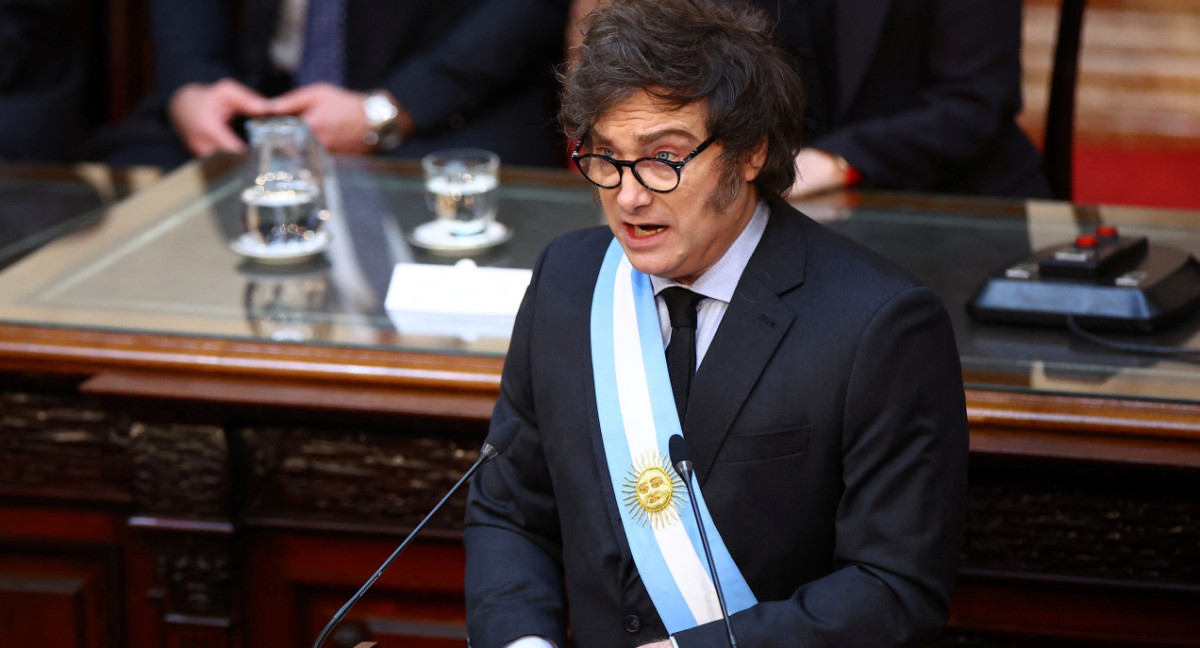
460	187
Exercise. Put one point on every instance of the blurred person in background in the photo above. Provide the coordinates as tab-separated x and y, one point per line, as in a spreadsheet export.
368	76
41	82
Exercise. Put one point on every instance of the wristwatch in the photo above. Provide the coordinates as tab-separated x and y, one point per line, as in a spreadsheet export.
381	111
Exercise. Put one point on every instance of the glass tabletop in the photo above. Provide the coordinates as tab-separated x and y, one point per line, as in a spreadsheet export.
39	203
161	262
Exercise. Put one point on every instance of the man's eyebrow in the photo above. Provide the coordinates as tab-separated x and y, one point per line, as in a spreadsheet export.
654	136
647	138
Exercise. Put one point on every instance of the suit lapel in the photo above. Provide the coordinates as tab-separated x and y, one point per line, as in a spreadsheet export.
859	25
749	333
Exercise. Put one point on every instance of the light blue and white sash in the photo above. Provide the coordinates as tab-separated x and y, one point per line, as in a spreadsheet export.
637	417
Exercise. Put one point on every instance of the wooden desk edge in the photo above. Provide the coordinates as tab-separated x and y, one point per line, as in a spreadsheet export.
257	373
1084	428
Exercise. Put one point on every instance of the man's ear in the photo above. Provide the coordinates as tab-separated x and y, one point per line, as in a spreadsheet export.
754	161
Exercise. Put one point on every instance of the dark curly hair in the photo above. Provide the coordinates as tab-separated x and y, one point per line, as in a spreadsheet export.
688	51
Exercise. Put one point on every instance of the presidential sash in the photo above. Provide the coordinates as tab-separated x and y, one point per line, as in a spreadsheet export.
637	417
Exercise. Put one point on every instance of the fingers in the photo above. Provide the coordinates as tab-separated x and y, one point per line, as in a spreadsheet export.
300	100
201	114
817	172
334	114
240	100
219	137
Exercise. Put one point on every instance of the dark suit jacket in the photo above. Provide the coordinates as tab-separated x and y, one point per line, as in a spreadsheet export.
42	82
925	94
470	72
828	430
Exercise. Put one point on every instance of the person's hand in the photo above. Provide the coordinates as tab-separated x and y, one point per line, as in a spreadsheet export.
817	172
201	114
665	643
334	114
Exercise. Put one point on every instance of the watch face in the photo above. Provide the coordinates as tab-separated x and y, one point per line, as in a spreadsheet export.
381	118
379	110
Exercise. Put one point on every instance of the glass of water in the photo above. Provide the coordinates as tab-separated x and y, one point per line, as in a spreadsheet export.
284	201
460	187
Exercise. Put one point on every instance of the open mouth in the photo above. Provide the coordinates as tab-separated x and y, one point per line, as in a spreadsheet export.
642	231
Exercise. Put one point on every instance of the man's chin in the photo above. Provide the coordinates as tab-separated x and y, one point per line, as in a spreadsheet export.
650	264
645	263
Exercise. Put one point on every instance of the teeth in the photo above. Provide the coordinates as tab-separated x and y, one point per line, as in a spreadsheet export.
649	230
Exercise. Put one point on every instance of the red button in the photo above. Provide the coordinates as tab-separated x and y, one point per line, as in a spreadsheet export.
1085	241
1106	231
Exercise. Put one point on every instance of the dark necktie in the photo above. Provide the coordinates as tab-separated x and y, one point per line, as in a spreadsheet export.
324	44
681	351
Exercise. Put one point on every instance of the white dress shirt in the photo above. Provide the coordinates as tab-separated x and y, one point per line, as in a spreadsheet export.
287	43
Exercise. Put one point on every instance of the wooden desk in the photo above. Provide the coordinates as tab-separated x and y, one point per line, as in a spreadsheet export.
185	463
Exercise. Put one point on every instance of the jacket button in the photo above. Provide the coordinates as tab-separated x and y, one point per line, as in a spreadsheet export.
632	623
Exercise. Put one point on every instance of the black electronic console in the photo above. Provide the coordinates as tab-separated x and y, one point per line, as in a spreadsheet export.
1102	280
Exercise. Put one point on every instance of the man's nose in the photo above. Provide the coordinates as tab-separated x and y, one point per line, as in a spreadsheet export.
631	194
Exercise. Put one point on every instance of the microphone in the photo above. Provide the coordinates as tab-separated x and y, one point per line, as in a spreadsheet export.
681	456
495	443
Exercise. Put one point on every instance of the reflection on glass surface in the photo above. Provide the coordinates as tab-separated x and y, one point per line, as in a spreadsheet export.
290	304
161	261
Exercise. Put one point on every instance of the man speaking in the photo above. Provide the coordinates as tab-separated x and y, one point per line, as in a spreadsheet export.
817	385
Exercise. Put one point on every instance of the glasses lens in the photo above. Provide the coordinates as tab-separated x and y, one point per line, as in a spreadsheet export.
600	171
657	174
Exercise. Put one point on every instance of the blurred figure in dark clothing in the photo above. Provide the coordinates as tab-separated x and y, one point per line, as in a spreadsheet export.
368	76
919	95
41	82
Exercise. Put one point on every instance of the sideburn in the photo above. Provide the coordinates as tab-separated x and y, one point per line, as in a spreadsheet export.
729	186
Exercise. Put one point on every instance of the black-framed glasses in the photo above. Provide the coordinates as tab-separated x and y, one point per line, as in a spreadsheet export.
655	174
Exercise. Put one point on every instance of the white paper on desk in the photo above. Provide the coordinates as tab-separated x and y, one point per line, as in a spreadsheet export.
462	300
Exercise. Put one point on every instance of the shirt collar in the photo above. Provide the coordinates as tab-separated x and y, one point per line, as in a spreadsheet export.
719	281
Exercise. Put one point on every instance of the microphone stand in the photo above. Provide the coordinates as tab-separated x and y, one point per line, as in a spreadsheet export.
681	455
498	443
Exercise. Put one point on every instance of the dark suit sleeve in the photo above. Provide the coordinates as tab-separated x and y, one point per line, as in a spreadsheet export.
899	519
971	93
514	574
42	81
192	42
487	49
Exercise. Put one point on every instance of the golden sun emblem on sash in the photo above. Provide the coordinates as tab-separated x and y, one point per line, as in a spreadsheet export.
653	492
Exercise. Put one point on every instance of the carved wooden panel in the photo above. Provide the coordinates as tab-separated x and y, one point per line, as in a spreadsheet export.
62	445
1103	522
313	475
180	470
181	482
196	571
